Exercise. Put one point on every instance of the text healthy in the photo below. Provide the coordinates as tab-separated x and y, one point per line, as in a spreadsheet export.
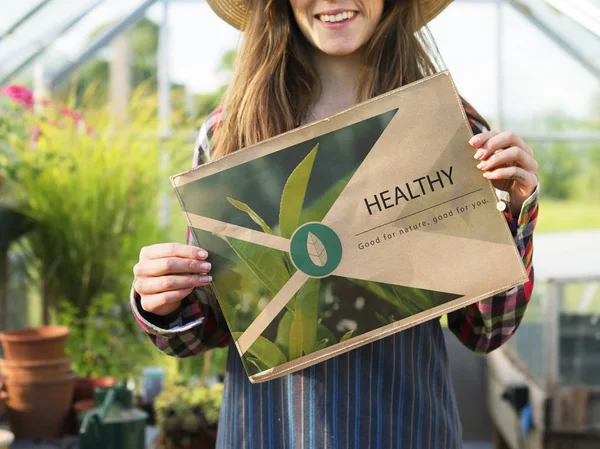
425	184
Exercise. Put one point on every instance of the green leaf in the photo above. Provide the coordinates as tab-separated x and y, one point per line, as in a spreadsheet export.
296	336
389	294
307	301
324	333
265	351
283	332
265	263
253	215
317	210
347	336
293	195
260	366
322	344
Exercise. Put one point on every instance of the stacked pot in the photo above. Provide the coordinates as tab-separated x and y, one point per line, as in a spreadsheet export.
37	383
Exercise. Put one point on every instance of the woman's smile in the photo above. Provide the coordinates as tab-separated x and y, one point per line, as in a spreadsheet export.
337	27
336	18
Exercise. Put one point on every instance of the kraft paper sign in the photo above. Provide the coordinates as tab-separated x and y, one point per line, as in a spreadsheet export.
350	229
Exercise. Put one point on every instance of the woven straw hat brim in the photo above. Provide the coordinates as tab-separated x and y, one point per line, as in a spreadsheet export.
234	12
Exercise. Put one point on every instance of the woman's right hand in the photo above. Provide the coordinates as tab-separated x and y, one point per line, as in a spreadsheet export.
167	273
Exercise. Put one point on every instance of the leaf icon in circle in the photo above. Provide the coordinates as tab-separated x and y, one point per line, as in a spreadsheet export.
316	250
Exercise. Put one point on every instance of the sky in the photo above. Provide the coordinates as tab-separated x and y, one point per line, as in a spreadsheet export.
536	76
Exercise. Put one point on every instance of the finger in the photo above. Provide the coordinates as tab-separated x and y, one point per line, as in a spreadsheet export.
523	177
502	141
163	250
170	265
510	156
165	302
155	285
479	139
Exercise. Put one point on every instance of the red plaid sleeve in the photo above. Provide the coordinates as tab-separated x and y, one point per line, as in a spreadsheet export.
199	324
488	324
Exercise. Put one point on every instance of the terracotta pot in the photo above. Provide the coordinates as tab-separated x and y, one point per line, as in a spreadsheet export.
203	441
34	343
32	370
85	405
38	409
84	386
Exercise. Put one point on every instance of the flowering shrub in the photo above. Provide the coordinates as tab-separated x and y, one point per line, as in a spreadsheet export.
93	196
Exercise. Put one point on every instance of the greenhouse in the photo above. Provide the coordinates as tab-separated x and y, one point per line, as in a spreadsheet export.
101	102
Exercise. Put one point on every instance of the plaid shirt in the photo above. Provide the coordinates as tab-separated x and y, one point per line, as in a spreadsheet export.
249	411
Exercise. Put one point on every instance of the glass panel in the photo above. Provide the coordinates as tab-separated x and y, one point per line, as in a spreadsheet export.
496	70
566	95
472	62
38	32
13	11
527	344
580	334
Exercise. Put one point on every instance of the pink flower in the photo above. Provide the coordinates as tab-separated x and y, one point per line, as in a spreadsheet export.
35	136
76	116
19	94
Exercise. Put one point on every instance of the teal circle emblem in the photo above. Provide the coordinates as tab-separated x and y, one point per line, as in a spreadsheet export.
316	250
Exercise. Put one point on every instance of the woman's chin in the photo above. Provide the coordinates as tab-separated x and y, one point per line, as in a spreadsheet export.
340	49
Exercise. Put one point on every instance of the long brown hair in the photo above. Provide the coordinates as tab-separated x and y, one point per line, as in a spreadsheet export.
274	81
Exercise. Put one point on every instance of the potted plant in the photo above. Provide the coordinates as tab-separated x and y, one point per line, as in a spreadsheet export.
187	415
93	196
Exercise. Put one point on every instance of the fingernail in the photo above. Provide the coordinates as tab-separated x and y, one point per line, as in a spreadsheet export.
486	174
481	165
205	279
202	254
205	267
474	140
478	154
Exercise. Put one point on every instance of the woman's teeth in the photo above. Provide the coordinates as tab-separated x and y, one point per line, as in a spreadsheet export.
337	17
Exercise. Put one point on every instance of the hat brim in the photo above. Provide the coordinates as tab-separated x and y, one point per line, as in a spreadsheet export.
234	12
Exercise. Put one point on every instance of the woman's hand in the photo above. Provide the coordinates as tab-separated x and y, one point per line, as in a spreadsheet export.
509	163
167	273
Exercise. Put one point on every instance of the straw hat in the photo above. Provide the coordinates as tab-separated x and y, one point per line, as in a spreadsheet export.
234	11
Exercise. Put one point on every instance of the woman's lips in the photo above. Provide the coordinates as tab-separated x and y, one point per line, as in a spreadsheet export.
336	19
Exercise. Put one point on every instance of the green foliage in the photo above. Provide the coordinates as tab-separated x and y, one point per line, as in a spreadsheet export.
253	215
93	197
307	304
556	216
293	195
208	102
297	331
265	263
407	301
558	167
105	341
187	410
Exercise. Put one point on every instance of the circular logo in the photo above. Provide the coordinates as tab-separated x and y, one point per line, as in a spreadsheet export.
316	250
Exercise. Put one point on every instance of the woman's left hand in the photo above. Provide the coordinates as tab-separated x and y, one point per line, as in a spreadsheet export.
508	162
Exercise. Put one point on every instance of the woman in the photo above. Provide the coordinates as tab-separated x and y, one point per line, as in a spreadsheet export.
303	60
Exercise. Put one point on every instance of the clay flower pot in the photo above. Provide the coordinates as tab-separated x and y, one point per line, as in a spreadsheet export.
38	409
36	370
85	386
34	343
